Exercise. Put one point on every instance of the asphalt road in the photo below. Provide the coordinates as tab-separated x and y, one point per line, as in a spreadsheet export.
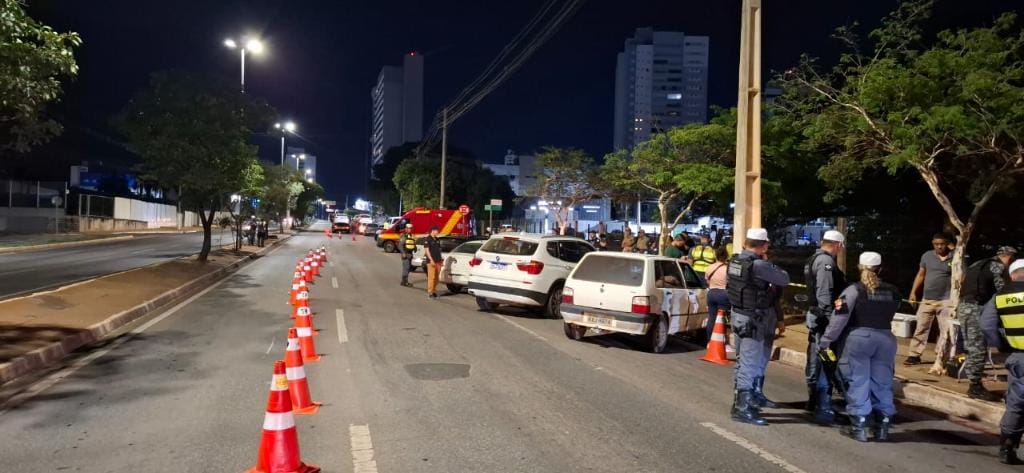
413	385
26	272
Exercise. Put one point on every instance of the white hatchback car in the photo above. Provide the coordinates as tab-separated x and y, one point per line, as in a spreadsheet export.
455	272
652	296
524	269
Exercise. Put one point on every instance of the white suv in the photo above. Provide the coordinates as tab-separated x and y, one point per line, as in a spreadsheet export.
524	269
652	296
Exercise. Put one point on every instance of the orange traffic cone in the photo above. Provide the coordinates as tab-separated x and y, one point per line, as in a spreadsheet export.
316	267
301	302
716	346
279	447
297	284
298	387
304	327
307	272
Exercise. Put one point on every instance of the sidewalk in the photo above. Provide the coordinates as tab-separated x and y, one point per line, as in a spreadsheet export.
40	329
915	386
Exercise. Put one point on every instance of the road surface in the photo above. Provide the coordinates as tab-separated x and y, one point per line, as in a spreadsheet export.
413	385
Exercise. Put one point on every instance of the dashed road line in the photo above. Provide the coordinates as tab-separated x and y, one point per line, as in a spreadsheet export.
271	347
362	449
342	331
531	332
752	447
334	282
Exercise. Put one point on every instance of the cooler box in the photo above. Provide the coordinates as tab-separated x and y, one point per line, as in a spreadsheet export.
903	325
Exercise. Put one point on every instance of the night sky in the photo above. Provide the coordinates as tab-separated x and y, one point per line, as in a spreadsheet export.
324	56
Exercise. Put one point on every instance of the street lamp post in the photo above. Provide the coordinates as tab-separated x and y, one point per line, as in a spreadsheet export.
285	128
251	45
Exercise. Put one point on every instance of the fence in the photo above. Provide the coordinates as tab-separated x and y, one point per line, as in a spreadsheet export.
31	194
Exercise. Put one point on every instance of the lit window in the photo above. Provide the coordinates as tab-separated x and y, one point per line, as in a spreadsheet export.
675	96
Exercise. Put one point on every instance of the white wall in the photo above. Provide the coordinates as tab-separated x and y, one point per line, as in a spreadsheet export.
155	215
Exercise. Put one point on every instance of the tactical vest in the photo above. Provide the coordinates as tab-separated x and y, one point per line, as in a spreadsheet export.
1010	307
838	281
702	256
409	242
875	310
979	283
745	291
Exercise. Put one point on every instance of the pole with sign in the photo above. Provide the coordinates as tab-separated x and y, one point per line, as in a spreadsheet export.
495	205
464	210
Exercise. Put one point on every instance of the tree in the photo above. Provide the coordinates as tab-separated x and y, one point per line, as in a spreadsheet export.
192	134
680	168
304	201
282	187
468	182
948	108
567	179
33	60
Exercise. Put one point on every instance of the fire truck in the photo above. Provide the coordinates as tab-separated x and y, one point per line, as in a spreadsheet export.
450	222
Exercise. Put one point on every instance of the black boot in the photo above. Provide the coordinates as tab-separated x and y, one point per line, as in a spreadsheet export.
824	414
858	429
743	411
812	399
759	400
1008	449
883	423
977	391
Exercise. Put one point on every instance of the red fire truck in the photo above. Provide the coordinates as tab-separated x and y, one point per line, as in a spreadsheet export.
450	222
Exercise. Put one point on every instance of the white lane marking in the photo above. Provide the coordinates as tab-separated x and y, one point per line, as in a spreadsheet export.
342	331
531	332
271	347
330	263
362	449
334	282
752	447
45	383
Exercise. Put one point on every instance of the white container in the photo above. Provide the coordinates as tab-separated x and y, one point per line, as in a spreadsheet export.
903	325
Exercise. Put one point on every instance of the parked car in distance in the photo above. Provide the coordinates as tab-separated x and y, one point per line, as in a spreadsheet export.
524	269
646	295
341	224
448	243
370	228
455	272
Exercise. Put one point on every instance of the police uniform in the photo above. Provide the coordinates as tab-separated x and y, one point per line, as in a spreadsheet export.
863	323
824	281
702	256
981	281
1002	322
750	279
407	247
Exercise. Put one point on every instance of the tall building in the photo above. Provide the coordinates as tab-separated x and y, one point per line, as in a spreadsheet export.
519	170
300	160
661	81
397	106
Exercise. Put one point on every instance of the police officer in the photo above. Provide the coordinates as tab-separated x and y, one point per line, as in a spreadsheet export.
1002	322
749	286
702	255
862	320
407	247
981	281
824	281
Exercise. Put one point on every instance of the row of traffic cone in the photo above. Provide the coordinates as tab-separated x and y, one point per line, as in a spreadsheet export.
289	388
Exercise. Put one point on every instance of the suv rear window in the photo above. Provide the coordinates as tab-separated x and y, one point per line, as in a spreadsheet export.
510	246
611	270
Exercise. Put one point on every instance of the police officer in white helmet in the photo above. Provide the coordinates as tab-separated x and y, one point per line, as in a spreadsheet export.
824	282
862	322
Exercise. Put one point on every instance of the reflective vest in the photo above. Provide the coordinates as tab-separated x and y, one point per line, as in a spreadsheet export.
838	281
745	291
875	310
409	242
1010	307
702	256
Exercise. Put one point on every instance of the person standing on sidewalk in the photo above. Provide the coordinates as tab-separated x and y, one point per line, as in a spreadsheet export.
935	277
433	261
749	285
863	323
983	279
703	255
1002	322
717	296
824	282
407	247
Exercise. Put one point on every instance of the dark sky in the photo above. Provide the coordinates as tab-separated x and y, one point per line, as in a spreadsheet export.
324	56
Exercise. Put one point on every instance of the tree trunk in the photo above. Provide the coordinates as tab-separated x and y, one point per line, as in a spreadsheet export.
207	222
664	238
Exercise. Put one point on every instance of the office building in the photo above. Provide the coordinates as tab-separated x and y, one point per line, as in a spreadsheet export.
397	106
303	162
661	81
519	170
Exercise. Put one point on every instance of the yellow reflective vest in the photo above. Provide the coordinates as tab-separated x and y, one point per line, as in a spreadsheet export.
1010	307
702	257
409	242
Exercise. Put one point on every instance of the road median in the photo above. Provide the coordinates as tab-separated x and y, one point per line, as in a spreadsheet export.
39	330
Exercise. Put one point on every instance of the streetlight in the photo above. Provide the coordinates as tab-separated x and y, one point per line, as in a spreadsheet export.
285	128
251	45
298	157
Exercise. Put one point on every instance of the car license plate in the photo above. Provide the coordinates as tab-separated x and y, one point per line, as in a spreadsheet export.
600	321
498	266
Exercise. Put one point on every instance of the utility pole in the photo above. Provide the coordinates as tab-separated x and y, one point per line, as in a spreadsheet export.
444	152
748	127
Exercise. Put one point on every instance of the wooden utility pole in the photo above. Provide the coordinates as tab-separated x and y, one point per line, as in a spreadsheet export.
748	127
444	152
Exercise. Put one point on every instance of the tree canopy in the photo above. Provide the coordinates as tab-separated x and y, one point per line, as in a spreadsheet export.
419	182
568	178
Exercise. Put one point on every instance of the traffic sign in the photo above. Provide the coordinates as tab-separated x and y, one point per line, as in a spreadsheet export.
492	208
496	202
464	209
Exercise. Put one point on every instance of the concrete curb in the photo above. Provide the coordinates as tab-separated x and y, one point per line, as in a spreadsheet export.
984	414
67	244
49	354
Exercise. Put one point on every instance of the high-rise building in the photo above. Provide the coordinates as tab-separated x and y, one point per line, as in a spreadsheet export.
661	81
303	162
397	106
520	170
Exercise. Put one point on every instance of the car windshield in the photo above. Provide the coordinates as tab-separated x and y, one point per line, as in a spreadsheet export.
610	270
510	246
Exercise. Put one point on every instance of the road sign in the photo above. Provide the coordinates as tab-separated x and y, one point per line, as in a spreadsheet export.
492	208
464	209
496	202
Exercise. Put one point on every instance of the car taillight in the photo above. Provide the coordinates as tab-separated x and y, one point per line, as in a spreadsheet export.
475	261
641	305
533	267
567	295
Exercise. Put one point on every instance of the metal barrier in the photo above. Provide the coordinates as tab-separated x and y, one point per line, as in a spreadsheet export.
32	194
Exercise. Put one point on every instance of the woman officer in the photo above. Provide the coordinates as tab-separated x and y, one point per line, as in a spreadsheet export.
861	321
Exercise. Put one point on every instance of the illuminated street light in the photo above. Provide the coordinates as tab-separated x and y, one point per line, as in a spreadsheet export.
285	128
251	45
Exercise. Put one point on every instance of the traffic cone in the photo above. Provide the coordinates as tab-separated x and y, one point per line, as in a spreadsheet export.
279	447
298	387
716	346
316	267
297	283
304	328
323	253
307	272
301	302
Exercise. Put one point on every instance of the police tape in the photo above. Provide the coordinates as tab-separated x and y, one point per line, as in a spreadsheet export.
926	302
